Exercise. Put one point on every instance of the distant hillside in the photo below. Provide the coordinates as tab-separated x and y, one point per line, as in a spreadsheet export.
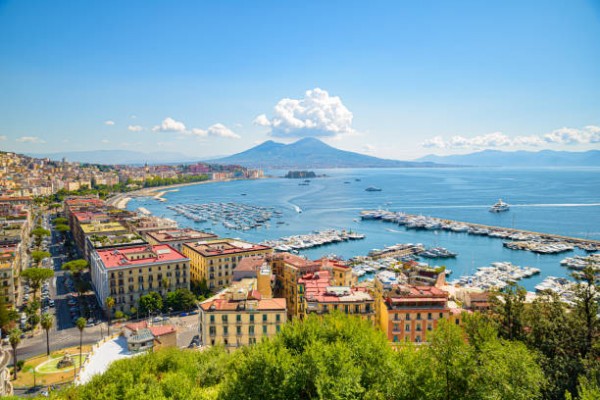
310	153
544	158
117	157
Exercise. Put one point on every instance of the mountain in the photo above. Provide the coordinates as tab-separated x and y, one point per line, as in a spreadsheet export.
310	153
117	157
544	158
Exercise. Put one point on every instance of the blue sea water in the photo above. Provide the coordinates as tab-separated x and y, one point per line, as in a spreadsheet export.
561	201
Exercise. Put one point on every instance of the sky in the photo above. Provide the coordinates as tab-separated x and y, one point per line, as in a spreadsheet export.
394	79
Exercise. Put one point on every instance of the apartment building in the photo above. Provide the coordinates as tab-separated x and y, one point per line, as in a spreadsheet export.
214	260
126	274
176	237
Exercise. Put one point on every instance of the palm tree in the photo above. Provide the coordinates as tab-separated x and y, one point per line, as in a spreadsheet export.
15	338
80	323
110	303
47	322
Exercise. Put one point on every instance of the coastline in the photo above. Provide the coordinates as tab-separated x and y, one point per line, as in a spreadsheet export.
122	199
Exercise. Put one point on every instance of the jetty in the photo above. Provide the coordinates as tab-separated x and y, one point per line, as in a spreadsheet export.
519	239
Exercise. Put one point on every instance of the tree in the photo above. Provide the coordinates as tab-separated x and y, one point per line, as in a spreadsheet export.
508	305
14	339
180	300
80	323
62	228
586	297
36	276
39	255
150	303
39	233
60	221
76	267
5	315
47	322
110	303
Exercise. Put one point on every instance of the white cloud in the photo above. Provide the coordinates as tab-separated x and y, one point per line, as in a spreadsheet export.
109	123
135	128
316	115
563	136
220	130
170	125
105	141
30	139
2	137
368	148
199	132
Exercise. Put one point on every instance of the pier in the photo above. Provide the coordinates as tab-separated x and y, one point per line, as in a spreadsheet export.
526	240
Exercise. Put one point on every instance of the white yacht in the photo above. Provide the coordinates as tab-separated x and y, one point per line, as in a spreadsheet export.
500	206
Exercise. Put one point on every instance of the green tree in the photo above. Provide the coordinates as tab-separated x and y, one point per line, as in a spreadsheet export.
5	315
62	228
76	267
38	256
110	303
14	339
80	324
150	303
60	221
508	305
39	233
587	297
180	300
36	276
47	321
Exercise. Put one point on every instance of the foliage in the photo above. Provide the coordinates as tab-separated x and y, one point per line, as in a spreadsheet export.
47	321
35	276
76	267
508	305
180	300
60	221
334	357
62	228
39	255
14	338
150	303
119	314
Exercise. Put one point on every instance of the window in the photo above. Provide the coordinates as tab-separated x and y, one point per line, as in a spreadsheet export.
264	317
396	317
224	318
396	328
277	317
238	318
251	330
212	319
212	331
264	329
251	318
407	328
428	315
457	321
238	330
418	316
429	327
418	339
225	330
277	328
395	338
356	309
408	317
441	315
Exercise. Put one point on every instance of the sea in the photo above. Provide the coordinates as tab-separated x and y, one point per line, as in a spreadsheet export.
563	201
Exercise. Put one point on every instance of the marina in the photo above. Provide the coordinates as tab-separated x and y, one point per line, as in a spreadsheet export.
315	239
496	276
580	262
542	243
231	215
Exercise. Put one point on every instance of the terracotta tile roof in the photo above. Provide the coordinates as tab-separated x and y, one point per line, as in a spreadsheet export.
135	326
162	253
161	330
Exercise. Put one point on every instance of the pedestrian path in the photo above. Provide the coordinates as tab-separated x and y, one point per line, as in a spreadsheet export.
102	357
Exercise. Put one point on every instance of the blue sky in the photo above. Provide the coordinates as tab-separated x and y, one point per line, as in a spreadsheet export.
395	79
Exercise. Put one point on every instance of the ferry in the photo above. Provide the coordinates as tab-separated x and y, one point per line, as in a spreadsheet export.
500	206
373	189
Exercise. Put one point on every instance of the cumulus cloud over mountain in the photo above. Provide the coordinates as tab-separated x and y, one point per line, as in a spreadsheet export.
563	136
317	114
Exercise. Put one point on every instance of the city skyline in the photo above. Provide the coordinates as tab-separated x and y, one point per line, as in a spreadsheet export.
390	80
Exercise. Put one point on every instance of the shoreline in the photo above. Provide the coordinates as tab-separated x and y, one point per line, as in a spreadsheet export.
121	200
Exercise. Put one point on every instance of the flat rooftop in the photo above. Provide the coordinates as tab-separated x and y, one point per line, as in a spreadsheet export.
317	288
102	227
221	247
178	235
140	255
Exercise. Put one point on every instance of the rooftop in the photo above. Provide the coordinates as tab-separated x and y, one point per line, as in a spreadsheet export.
221	304
219	247
160	330
317	288
102	227
140	255
177	235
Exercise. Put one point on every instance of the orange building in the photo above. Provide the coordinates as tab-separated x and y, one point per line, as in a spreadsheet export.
408	312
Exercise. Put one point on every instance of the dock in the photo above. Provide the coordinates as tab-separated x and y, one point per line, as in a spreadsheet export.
545	243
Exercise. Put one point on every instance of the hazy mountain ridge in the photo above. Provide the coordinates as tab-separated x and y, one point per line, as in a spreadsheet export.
543	158
310	153
117	157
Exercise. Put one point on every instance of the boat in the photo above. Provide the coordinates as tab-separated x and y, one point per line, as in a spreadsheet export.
373	189
500	206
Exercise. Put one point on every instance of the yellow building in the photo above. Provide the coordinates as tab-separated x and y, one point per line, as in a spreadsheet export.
10	266
242	315
214	260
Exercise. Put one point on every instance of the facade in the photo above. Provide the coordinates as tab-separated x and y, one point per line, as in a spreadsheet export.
176	237
242	315
9	272
126	274
214	260
96	229
408	312
288	269
142	337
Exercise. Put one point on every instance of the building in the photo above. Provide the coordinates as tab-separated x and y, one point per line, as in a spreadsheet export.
409	312
213	261
97	230
126	274
317	295
176	237
243	314
149	223
106	241
142	337
9	272
6	388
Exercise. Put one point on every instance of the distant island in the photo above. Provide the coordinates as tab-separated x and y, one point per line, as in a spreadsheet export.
543	158
300	174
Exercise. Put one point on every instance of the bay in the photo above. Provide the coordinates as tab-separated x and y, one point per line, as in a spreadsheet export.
561	201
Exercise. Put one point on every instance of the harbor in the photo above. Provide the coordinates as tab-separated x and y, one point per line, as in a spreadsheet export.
315	239
234	216
543	243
